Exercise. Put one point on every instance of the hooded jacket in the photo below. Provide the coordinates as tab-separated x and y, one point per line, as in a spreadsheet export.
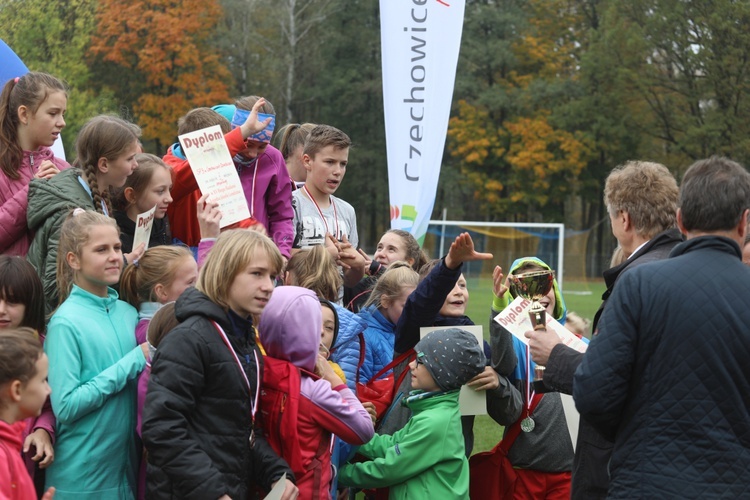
50	201
379	337
548	448
345	351
197	421
15	236
15	482
290	330
425	459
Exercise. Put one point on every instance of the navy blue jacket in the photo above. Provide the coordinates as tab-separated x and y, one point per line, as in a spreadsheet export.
668	375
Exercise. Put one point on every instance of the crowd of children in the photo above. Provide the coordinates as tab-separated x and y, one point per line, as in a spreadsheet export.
183	368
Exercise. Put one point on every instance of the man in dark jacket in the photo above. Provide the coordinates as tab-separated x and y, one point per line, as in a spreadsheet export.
667	376
641	198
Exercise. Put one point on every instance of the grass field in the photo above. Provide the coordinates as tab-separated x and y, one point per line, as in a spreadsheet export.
582	297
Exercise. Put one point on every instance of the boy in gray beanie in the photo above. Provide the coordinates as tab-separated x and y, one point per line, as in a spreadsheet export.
427	455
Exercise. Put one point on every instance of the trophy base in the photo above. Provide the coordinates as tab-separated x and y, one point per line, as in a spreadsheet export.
539	387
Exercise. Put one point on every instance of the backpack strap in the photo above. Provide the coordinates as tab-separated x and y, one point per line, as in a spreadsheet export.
394	363
515	429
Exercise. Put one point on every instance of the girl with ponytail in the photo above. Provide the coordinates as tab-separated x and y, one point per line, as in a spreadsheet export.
31	118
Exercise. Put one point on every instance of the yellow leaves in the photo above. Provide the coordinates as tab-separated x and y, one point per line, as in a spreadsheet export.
473	137
544	156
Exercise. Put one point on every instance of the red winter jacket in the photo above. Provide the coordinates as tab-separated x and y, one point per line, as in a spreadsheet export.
15	483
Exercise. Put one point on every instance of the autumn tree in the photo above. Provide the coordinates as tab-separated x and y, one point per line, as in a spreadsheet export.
158	57
517	66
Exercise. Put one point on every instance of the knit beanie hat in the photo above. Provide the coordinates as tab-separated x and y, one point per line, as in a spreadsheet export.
452	356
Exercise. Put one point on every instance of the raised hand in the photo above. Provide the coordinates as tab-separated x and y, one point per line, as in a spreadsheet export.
209	217
499	282
462	250
252	125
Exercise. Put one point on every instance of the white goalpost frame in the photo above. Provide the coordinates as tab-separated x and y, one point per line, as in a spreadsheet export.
560	241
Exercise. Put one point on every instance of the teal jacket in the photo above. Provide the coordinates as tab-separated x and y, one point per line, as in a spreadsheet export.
94	363
50	201
425	458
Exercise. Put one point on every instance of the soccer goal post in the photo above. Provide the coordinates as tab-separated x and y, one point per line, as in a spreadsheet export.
507	241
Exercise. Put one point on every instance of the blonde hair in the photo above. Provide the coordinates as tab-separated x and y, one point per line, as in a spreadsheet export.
233	251
107	137
293	136
139	179
618	257
577	324
316	270
647	191
399	275
158	265
74	234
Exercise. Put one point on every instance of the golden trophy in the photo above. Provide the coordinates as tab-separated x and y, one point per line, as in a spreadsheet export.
533	286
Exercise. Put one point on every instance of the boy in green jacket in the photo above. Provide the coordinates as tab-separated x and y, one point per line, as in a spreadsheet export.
427	456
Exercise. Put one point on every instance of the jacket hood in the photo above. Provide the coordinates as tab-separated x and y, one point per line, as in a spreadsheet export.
290	326
560	309
61	193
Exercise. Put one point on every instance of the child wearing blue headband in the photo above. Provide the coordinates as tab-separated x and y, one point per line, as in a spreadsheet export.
263	174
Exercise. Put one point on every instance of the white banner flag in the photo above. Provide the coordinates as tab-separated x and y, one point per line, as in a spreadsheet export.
420	41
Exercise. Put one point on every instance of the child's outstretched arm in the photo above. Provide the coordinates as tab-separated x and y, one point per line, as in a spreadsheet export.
424	304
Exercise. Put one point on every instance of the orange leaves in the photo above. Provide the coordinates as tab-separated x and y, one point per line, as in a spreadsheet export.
163	49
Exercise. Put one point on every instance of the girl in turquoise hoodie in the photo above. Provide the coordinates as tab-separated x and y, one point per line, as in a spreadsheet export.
94	362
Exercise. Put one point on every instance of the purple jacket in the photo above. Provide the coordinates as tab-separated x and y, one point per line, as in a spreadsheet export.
268	191
15	236
290	330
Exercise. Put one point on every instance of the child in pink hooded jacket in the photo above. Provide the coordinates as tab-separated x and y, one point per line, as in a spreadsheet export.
290	329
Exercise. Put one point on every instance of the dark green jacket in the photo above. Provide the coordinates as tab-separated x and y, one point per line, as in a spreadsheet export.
50	202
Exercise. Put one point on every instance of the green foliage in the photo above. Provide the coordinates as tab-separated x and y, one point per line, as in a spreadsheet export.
54	37
550	95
